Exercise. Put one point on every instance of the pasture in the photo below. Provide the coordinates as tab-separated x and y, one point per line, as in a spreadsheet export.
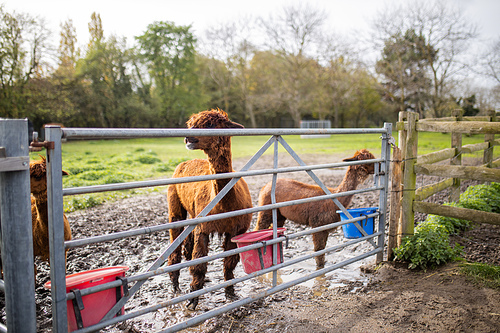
99	162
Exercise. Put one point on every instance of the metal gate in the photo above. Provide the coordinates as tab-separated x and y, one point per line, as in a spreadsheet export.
14	181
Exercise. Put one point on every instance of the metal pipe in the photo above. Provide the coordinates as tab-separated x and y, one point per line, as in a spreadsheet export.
56	230
123	133
163	270
166	226
239	280
171	181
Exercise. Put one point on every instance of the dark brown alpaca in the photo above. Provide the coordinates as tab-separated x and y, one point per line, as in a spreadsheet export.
193	197
318	213
39	210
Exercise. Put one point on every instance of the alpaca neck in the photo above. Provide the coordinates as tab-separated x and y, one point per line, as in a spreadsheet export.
41	206
351	181
220	162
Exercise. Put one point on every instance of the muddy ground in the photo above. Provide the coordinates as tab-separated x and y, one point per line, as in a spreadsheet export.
358	298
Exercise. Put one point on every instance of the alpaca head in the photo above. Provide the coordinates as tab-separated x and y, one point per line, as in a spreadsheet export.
38	175
364	169
215	118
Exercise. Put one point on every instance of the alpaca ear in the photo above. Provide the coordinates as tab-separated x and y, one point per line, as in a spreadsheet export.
64	173
232	124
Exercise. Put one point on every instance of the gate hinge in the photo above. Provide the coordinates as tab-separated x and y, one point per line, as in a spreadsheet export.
36	145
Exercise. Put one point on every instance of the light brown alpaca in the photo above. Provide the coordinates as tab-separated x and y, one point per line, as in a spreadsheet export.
193	197
39	210
318	213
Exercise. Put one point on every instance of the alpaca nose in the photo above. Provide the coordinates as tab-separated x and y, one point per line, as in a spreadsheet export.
190	139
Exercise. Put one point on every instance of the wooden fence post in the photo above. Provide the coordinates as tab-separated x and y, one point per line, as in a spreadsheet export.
395	214
488	153
409	177
456	142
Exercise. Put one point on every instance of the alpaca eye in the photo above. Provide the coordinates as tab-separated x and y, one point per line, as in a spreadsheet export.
210	125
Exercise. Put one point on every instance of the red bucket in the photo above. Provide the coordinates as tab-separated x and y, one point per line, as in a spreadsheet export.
96	305
261	258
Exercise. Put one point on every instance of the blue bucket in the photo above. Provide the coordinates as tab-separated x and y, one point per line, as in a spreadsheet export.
350	230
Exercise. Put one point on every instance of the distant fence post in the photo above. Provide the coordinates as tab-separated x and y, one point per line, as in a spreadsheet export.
488	153
409	176
456	142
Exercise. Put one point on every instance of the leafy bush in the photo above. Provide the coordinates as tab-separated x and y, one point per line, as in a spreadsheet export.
429	246
482	197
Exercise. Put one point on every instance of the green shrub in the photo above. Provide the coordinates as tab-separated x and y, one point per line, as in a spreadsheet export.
482	197
428	247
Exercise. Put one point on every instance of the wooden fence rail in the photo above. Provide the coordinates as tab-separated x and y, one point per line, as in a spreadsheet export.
406	198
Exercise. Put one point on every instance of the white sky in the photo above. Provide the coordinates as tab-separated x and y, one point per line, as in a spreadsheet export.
131	18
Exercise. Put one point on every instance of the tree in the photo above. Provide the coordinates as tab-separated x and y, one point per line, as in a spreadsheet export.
294	34
490	62
447	34
23	41
405	65
230	50
68	51
168	51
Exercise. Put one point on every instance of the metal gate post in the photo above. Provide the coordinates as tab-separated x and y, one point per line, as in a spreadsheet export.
17	239
56	230
386	155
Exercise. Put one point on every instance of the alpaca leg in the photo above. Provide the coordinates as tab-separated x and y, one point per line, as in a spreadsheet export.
175	258
230	264
176	212
319	240
198	271
188	247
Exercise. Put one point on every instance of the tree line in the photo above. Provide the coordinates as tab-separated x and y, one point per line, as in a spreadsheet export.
299	71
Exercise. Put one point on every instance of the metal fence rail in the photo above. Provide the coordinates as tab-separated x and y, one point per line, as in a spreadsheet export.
55	134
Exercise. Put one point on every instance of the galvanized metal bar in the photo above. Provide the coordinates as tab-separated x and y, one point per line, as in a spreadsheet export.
233	281
178	224
247	300
123	133
164	270
16	229
384	179
56	230
323	187
205	211
275	211
170	181
3	328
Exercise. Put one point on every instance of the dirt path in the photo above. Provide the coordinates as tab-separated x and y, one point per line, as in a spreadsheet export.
397	300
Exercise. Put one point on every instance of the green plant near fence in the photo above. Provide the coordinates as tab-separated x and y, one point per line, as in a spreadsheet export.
430	246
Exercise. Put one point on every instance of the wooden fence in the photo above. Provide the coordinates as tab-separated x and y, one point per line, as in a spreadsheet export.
406	199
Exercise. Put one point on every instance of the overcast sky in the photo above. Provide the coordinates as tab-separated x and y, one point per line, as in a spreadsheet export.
130	18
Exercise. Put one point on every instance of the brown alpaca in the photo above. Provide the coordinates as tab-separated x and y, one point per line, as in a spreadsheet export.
193	197
39	210
318	213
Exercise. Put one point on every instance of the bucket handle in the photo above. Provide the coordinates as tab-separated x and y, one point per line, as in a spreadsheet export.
78	307
261	258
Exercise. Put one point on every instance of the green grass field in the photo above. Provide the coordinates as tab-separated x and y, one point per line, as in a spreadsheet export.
115	161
